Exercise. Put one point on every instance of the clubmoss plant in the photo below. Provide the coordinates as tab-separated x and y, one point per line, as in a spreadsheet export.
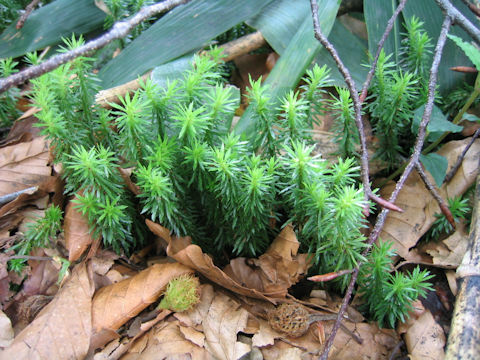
460	210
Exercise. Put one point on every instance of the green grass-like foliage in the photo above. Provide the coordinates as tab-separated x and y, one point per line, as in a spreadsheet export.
460	209
231	195
387	296
38	235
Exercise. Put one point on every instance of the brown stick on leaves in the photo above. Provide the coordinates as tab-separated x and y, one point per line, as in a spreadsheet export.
26	13
118	31
412	162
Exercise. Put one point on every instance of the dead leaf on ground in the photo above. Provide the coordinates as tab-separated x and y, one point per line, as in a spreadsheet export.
166	341
274	272
22	129
115	304
62	329
405	229
450	251
424	337
182	250
6	330
77	232
224	320
43	275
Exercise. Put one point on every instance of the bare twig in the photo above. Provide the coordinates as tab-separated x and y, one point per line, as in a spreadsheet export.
455	167
357	105
472	7
433	190
389	27
459	19
118	31
26	13
411	164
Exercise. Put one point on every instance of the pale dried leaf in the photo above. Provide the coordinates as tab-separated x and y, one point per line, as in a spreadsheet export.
192	335
6	330
62	329
165	341
224	320
115	304
449	252
283	351
194	317
425	338
405	229
43	275
77	232
182	250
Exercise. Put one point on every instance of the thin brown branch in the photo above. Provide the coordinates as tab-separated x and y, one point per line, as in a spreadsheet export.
472	7
26	14
459	19
411	164
118	31
436	195
388	29
459	161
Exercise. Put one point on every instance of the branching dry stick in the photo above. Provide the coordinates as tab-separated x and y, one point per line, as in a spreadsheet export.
118	31
27	12
459	19
433	190
411	164
357	107
388	29
455	167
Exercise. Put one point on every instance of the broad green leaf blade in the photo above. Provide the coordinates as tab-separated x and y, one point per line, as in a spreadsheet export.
47	25
184	29
377	13
279	21
296	58
351	50
471	51
170	71
428	12
436	165
438	124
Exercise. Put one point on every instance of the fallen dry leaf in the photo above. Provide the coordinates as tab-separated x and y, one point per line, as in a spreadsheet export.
405	229
264	273
22	129
166	341
77	232
43	275
449	252
274	272
224	320
115	304
62	329
424	338
6	330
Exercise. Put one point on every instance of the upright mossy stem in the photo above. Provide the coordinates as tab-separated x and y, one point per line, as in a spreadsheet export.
182	294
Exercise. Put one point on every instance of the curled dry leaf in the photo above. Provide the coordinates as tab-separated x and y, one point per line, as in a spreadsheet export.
22	166
62	329
115	304
405	229
449	252
77	232
266	278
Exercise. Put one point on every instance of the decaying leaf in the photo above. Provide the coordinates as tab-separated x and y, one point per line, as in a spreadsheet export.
405	229
424	338
266	278
62	329
115	304
449	252
6	330
77	232
225	318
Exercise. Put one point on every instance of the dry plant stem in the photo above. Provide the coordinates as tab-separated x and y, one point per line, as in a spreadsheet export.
455	168
411	164
118	31
472	7
26	14
433	190
28	257
389	27
459	19
231	50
